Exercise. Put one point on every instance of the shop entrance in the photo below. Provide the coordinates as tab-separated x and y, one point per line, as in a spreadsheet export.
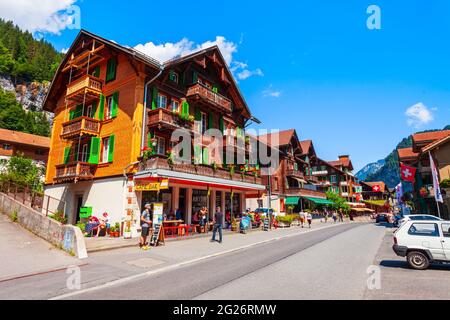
182	205
79	204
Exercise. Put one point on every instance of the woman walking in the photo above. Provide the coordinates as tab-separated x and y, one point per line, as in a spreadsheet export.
309	218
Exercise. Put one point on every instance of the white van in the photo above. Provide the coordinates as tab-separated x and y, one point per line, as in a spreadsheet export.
423	242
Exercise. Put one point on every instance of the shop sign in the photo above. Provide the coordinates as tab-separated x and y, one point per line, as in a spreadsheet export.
151	186
157	213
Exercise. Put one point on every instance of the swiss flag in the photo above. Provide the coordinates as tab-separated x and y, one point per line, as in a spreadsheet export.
407	173
376	188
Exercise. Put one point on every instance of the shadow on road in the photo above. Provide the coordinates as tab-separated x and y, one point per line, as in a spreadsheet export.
399	264
385	224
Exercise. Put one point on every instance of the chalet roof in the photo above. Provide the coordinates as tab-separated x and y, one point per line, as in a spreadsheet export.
345	163
406	153
213	49
16	137
306	145
381	184
430	136
436	144
284	138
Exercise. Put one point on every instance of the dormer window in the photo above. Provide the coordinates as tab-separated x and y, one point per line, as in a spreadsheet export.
173	76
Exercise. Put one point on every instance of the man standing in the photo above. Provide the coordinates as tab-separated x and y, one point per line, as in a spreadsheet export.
146	222
218	219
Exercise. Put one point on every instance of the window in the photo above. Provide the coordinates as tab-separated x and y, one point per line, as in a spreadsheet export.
446	229
162	101
161	146
111	70
84	153
175	105
173	76
333	179
108	109
88	112
424	229
105	150
204	123
6	146
39	152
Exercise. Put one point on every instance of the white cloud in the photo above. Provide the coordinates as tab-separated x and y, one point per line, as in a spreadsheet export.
269	92
64	50
247	73
419	114
45	16
169	50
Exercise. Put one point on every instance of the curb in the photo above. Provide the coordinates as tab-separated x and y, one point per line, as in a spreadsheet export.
28	275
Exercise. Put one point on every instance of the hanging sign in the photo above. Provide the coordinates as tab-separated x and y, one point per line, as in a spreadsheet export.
151	186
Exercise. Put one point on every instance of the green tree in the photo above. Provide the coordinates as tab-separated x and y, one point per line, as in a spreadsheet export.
23	171
338	202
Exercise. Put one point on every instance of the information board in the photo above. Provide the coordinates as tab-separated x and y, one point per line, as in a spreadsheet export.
157	236
266	225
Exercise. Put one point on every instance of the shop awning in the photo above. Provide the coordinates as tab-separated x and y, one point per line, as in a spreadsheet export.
318	200
292	201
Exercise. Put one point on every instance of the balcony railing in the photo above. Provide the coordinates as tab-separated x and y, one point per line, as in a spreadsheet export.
199	91
295	173
87	84
159	162
320	173
165	118
80	126
75	171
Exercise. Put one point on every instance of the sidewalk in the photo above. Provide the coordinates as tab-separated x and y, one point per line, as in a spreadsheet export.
23	253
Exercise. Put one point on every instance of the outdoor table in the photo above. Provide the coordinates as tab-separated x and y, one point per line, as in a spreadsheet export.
171	226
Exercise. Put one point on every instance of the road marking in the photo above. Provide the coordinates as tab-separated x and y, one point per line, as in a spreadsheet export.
182	264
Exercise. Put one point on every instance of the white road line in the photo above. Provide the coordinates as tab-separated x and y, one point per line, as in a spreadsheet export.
181	264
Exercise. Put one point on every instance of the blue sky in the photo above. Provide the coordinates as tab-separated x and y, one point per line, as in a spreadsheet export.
309	65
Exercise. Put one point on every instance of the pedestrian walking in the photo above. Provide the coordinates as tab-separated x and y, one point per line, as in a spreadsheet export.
146	222
334	216
309	218
218	219
302	218
341	216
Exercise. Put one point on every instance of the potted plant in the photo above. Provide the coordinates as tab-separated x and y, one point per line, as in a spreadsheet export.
117	230
111	231
127	233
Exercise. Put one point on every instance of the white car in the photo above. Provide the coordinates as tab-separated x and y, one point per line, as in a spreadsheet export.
423	242
418	217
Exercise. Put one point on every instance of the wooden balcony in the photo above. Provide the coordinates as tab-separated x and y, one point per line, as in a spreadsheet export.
79	127
74	172
199	93
165	119
87	85
295	174
159	162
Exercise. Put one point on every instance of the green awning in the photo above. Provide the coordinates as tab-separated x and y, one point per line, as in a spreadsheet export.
318	200
292	201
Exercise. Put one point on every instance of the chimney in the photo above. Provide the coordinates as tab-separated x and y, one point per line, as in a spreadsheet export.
345	157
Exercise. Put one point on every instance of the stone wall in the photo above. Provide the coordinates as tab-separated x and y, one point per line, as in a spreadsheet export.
66	237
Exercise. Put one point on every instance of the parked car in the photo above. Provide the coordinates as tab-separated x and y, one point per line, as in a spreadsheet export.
423	242
381	217
417	217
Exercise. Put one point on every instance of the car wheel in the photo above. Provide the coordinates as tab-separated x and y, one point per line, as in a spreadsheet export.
418	260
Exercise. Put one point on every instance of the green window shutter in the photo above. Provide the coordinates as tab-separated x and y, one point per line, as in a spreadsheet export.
96	72
112	138
78	111
66	155
221	125
115	104
198	114
195	77
172	75
101	107
205	156
185	108
215	89
210	120
150	136
94	153
71	114
111	70
94	110
154	97
198	154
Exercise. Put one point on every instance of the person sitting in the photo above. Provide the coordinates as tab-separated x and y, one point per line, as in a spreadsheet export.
92	225
103	224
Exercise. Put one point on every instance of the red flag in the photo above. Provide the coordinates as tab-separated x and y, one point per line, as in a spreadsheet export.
376	188
407	173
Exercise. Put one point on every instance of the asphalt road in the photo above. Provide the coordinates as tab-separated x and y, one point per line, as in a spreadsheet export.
326	264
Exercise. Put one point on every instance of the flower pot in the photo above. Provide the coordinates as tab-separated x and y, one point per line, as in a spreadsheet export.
127	235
